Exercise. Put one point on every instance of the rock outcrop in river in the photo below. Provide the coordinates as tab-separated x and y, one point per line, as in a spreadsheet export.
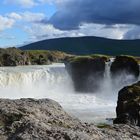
128	105
44	119
86	72
125	64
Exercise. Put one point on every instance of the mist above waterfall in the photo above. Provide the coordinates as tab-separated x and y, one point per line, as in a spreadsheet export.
53	82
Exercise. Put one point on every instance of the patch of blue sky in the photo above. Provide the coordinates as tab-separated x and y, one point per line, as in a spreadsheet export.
12	37
47	9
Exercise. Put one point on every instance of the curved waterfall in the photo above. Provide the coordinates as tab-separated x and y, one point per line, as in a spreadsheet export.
53	82
10	76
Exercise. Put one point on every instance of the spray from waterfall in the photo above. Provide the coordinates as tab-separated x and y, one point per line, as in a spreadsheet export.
54	82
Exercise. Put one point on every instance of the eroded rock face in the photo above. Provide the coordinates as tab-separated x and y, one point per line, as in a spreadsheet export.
31	119
86	73
124	64
128	105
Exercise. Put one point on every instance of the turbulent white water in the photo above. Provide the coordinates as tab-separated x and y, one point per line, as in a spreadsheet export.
53	82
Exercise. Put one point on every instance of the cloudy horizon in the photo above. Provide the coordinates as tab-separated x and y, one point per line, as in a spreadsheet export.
24	21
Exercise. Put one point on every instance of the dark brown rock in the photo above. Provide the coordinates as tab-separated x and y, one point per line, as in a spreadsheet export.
128	105
86	73
125	64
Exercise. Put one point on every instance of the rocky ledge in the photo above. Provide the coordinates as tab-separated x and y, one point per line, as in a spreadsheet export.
44	119
128	105
86	72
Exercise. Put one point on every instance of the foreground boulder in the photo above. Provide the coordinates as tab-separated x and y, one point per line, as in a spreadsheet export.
86	73
128	105
31	119
125	64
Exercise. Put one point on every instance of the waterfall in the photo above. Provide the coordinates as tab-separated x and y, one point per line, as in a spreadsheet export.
53	81
107	76
33	81
22	76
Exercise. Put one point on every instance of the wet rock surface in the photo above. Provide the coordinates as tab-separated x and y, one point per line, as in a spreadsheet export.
86	73
125	64
128	105
44	119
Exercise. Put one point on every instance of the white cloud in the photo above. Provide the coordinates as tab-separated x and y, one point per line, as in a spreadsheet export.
52	1
32	17
6	22
22	3
100	30
27	16
38	31
41	31
30	23
15	16
32	3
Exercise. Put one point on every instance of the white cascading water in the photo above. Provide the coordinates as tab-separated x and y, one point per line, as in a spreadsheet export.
53	82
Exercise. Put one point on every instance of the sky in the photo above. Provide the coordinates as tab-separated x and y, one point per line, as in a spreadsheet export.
25	21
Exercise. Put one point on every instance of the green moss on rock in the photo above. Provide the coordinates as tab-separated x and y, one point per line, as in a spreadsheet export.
86	72
128	105
103	125
15	57
127	64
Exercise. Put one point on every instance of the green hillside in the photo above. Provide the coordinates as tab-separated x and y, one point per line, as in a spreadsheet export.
88	45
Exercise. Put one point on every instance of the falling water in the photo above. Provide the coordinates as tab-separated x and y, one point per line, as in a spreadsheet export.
53	82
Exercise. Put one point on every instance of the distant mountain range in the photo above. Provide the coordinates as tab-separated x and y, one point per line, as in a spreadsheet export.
88	45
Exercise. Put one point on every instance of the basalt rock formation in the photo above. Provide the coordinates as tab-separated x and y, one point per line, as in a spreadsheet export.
128	105
125	64
86	72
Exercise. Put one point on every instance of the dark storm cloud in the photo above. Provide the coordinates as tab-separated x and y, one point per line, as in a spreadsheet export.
72	13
